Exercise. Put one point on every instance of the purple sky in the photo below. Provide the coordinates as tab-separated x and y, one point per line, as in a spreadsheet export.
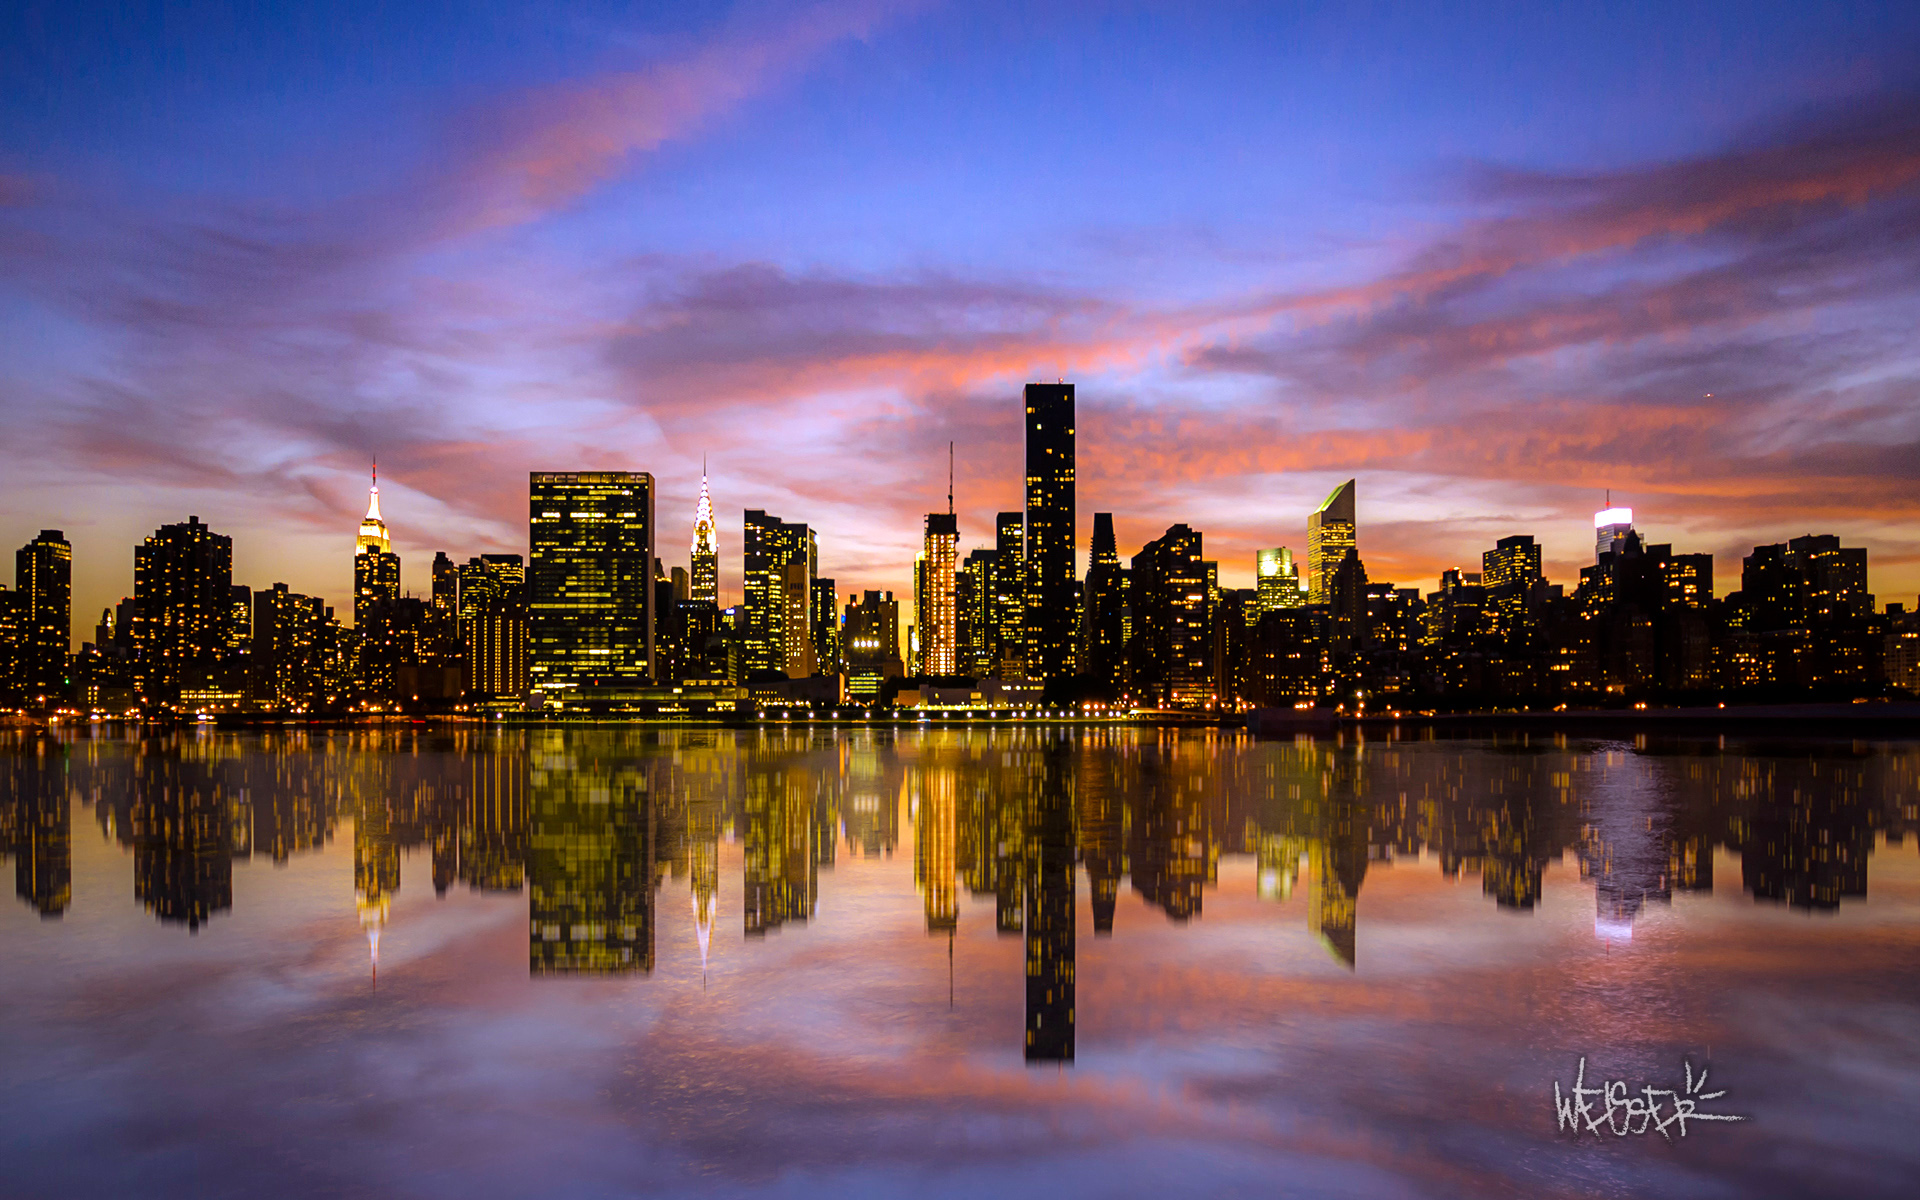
1491	260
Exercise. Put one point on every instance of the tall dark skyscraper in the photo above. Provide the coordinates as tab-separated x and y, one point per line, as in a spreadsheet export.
1171	650
1102	608
590	581
1053	582
43	577
182	594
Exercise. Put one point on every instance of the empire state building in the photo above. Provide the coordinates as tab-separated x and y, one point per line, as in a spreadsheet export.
376	568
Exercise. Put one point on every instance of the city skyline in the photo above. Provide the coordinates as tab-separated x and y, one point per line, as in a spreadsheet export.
374	533
1682	275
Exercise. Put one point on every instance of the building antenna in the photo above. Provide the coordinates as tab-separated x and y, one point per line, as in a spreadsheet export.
949	478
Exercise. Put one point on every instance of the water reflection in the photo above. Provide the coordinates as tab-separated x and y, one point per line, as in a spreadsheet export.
593	825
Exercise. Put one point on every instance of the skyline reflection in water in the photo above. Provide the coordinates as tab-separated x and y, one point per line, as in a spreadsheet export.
655	858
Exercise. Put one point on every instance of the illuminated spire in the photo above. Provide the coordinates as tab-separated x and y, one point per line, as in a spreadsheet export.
706	546
373	531
703	527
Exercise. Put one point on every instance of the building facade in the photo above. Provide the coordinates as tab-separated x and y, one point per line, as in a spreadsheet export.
1331	533
1052	572
589	581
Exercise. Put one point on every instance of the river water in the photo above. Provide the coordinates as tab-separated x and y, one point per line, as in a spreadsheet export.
1040	962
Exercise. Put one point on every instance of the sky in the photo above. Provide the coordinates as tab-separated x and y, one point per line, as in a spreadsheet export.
1490	260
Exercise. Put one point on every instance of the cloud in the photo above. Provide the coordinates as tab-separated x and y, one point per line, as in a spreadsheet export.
550	148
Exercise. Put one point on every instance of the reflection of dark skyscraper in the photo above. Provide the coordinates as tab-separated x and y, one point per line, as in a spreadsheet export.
36	828
1170	842
1050	941
591	865
1100	836
781	874
493	835
1340	862
1807	846
590	579
182	868
1052	574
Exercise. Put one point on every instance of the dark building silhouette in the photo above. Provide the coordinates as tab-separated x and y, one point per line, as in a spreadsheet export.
43	586
182	585
1052	574
1103	611
1170	654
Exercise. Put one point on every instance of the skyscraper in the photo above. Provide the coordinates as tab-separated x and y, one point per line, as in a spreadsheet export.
1330	534
872	641
1171	653
768	546
1007	596
493	625
795	581
824	619
1610	529
706	549
182	585
1052	581
43	577
590	580
284	663
1103	605
1277	580
935	611
376	569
